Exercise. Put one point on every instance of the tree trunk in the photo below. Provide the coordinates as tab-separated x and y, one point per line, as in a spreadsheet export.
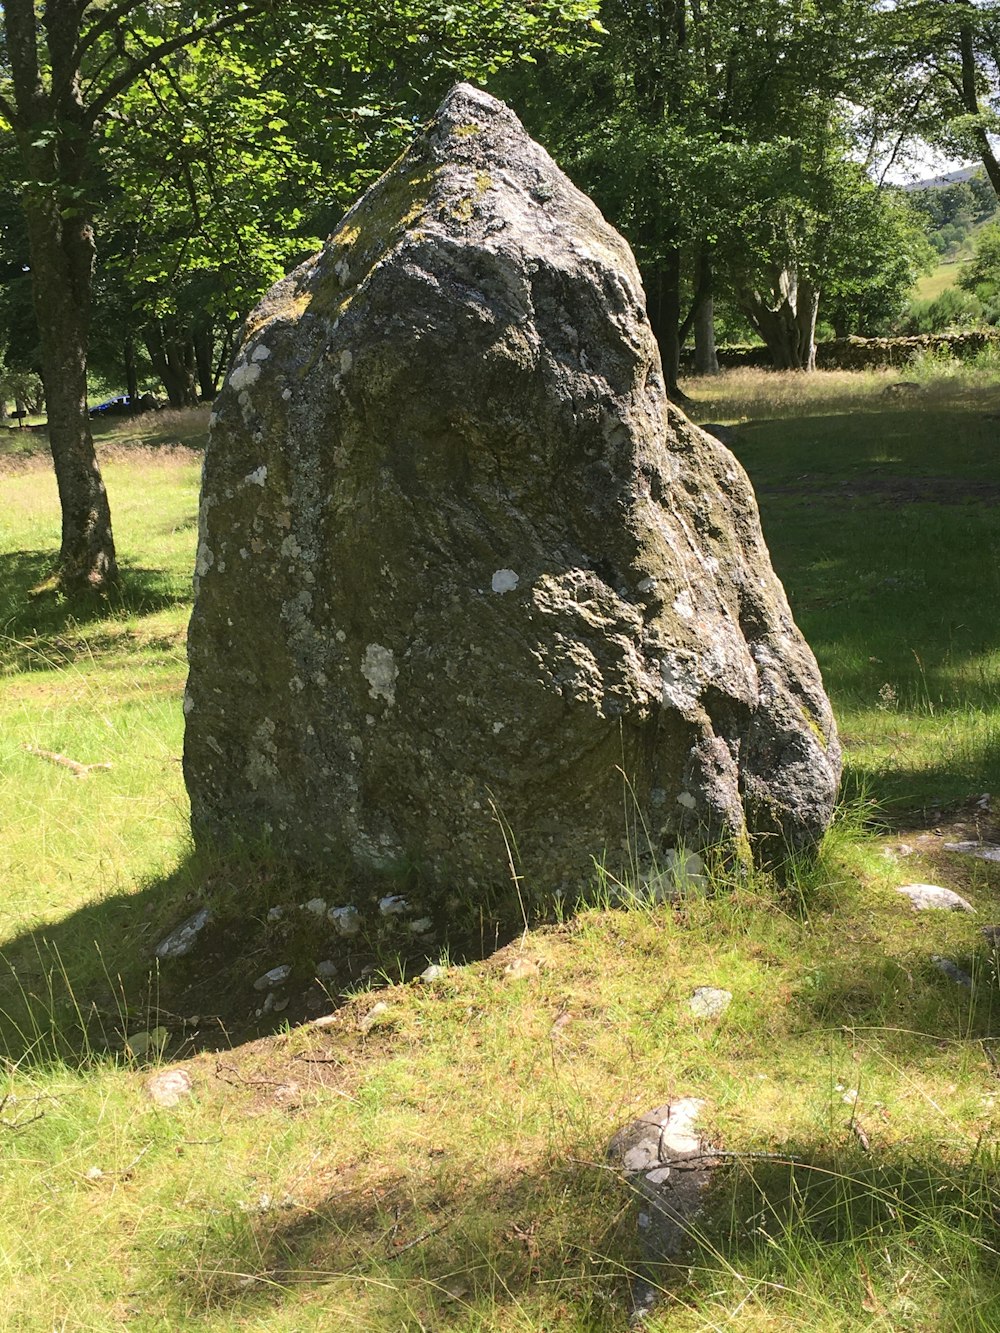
706	359
203	343
174	362
61	251
131	379
787	324
663	287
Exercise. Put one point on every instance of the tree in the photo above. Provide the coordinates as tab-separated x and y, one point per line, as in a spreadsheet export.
833	235
694	121
63	73
981	276
66	70
941	79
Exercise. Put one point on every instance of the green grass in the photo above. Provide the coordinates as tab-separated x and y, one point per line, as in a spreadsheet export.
945	275
446	1169
882	516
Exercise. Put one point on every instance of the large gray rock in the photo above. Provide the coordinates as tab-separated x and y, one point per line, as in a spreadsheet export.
461	565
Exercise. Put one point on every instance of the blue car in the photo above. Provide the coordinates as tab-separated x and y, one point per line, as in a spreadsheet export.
113	406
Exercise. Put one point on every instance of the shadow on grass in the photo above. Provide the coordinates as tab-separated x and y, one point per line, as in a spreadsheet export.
434	1247
77	989
898	1236
831	1237
35	625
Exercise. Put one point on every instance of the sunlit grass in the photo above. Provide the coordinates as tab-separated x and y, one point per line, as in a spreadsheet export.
937	383
446	1168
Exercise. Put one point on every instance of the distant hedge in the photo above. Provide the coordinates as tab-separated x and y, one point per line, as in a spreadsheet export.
869	353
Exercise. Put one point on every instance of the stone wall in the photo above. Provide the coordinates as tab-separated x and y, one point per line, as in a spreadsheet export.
866	353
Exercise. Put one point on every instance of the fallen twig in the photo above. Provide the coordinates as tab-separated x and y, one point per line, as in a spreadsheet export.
991	1057
397	1250
860	1135
77	769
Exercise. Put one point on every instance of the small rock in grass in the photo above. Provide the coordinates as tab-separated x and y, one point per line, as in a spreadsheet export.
181	941
277	976
924	897
275	913
393	905
372	1017
709	1001
315	905
93	1173
431	973
148	1043
326	969
345	920
421	926
951	970
520	968
985	851
664	1160
168	1087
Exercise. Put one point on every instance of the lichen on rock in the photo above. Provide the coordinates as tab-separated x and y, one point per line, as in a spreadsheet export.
464	572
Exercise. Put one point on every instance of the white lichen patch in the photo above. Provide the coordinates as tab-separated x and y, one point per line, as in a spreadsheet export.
680	685
682	605
260	353
257	477
686	800
346	360
381	672
286	395
243	375
504	580
262	753
203	561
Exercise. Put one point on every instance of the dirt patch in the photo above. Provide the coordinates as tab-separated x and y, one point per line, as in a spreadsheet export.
924	837
884	490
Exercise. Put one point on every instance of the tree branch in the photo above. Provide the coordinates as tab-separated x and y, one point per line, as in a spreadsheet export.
159	53
106	23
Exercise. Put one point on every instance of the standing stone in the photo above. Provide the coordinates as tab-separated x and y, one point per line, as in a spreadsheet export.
461	566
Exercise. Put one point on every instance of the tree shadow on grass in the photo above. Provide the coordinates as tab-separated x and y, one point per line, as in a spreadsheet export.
37	623
79	988
828	1233
436	1246
896	1235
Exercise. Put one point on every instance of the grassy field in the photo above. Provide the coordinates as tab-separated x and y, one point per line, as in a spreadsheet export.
945	275
440	1164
